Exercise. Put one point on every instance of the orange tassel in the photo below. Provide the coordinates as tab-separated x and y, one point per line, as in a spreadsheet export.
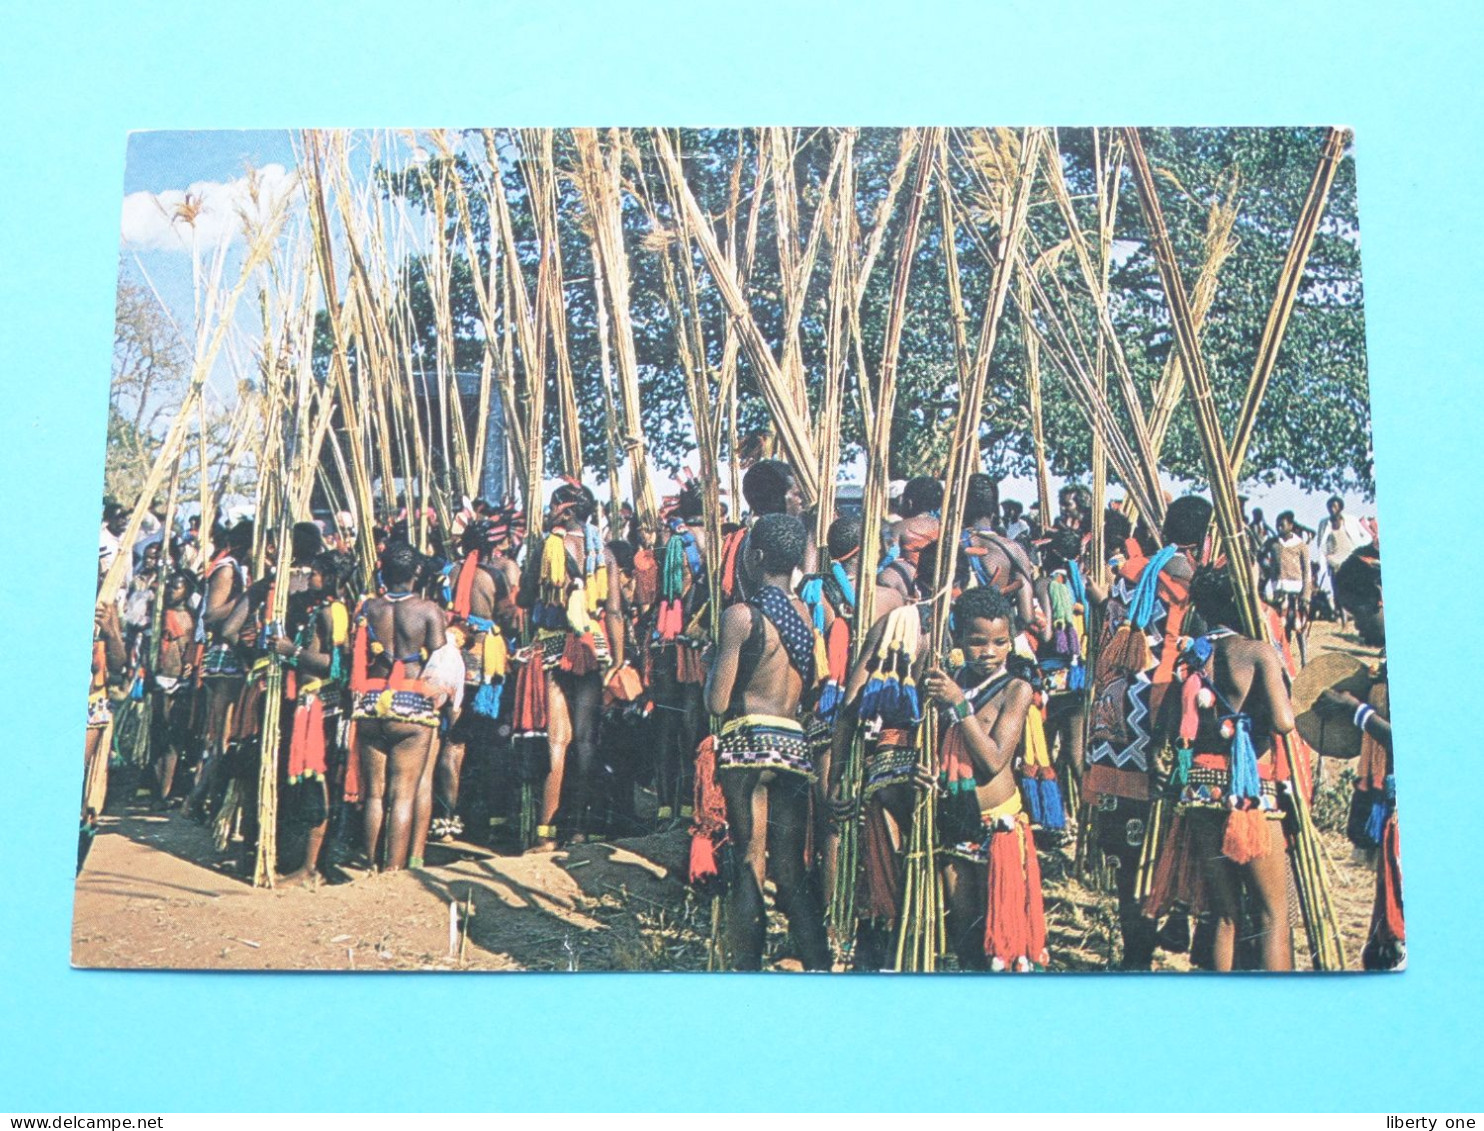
1246	836
464	592
1015	922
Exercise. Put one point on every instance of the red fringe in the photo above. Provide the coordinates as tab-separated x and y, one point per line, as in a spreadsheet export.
703	866
646	578
709	817
529	716
580	654
307	744
247	719
1246	837
882	868
688	666
708	803
1179	873
1015	918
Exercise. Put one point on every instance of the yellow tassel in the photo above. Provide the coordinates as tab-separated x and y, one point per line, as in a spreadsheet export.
496	656
339	625
821	658
384	704
1033	744
554	561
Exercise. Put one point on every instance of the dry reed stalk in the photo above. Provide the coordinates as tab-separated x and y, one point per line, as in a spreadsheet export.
351	412
793	430
530	397
1095	409
837	340
542	175
600	177
1109	176
1097	288
1198	383
1032	345
219	313
1289	280
796	263
963	456
876	409
917	915
1219	245
1311	881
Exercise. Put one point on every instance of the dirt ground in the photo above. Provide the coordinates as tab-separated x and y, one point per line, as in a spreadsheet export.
154	894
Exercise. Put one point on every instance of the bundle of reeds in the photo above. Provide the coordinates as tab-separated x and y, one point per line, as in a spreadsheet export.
778	390
1313	887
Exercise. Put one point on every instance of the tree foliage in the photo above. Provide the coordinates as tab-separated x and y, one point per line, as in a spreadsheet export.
1314	424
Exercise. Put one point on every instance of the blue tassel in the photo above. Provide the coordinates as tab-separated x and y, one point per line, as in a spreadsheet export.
1245	782
812	594
487	700
1375	828
870	698
829	701
1053	811
1032	797
1077	677
136	689
912	704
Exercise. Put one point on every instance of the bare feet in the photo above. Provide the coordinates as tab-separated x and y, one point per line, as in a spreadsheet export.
303	878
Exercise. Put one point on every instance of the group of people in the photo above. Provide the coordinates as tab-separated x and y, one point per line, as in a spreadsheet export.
534	689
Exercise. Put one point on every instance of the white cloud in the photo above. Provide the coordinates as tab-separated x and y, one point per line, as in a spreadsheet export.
158	221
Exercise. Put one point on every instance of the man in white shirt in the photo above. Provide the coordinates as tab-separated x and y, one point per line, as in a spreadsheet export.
1338	536
110	535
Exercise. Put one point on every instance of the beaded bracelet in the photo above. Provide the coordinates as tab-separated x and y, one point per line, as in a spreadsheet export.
961	709
1363	715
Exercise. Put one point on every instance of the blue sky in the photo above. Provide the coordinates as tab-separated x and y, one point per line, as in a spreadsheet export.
171	159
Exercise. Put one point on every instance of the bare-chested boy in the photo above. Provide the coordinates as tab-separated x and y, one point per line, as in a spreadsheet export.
992	880
396	713
1233	703
766	665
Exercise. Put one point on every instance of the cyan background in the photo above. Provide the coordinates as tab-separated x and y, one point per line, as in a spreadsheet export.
77	78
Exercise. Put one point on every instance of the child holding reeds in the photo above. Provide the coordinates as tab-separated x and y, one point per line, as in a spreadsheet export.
991	876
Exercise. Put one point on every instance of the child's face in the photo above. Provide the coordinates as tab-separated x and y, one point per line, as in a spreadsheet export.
986	644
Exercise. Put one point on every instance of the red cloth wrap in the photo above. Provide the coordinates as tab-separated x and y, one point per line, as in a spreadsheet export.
307	744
